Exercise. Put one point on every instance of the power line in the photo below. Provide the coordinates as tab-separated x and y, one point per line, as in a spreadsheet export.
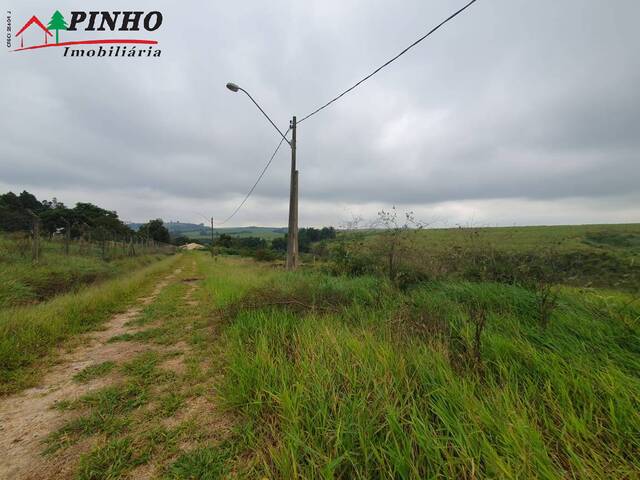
451	17
257	181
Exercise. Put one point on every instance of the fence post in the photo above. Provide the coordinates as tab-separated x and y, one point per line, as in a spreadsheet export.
36	239
35	247
67	237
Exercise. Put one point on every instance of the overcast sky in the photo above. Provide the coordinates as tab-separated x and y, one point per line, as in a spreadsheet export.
517	112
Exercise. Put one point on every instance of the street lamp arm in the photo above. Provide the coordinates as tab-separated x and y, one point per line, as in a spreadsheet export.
265	114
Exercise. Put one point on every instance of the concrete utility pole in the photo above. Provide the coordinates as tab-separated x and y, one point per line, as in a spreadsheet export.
292	238
292	234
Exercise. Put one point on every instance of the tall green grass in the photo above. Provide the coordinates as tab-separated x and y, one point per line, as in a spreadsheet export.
28	334
359	393
23	281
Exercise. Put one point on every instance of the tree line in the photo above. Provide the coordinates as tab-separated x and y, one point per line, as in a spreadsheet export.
311	240
84	220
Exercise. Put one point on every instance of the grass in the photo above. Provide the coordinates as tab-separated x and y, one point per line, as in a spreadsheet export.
204	233
603	256
23	281
155	416
108	461
30	334
565	238
311	375
337	377
361	393
204	463
94	371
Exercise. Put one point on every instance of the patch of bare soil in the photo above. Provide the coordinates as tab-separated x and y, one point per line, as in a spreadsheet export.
28	417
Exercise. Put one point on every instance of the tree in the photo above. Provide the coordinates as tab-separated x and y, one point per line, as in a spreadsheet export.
57	23
56	218
279	243
155	230
100	220
225	240
181	240
15	210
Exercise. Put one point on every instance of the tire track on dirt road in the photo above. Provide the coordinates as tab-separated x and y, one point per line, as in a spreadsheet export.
28	417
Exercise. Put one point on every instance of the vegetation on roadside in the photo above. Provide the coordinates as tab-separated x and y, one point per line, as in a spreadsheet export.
604	256
30	334
23	281
159	413
382	361
352	378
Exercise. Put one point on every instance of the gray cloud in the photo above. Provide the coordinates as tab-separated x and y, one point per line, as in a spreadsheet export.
517	111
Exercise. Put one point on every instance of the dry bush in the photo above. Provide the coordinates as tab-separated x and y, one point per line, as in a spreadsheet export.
465	354
546	301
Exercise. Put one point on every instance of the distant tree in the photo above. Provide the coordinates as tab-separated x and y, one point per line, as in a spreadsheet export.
279	244
105	222
15	215
28	201
225	240
57	218
181	240
308	236
15	210
155	230
57	23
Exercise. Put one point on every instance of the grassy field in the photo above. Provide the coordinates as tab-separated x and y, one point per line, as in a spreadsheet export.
349	378
23	281
565	238
203	232
254	372
30	334
605	256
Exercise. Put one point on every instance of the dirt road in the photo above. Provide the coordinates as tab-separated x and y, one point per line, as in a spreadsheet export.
27	418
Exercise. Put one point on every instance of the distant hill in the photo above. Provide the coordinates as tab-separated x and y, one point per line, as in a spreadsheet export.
201	231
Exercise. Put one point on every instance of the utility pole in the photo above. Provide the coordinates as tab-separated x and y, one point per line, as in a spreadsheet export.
211	236
292	237
292	243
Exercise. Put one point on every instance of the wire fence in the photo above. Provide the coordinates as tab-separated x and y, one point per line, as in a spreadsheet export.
33	244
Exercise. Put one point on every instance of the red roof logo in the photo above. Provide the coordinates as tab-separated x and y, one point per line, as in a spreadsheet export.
36	21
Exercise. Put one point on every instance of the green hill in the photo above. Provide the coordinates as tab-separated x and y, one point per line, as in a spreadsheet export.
201	231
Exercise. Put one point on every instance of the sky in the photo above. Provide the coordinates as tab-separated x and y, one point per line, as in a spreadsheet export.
517	112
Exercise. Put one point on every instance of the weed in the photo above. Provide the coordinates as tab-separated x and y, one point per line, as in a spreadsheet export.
171	403
204	463
84	426
94	371
115	400
332	395
108	461
143	368
547	301
29	334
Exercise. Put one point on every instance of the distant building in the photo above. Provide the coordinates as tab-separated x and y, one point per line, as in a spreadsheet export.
192	246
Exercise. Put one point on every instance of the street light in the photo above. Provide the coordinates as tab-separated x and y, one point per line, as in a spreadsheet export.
292	238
